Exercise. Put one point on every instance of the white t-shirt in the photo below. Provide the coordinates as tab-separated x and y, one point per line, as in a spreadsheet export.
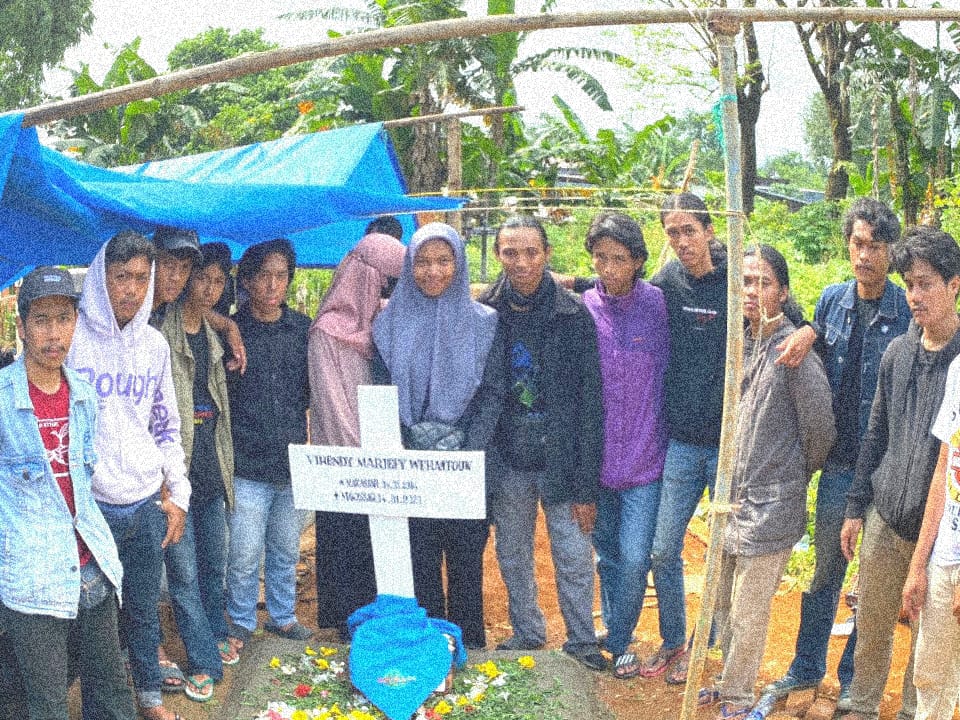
946	549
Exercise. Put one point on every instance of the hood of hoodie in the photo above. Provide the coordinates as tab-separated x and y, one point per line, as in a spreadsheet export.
95	304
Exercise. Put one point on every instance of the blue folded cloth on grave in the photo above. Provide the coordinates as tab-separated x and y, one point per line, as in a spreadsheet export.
398	656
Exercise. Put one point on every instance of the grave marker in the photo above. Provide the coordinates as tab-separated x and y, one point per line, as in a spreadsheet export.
388	483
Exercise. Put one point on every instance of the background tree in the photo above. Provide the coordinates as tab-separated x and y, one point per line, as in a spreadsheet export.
34	35
831	51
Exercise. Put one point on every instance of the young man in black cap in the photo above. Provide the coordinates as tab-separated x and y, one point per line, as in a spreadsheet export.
59	587
177	253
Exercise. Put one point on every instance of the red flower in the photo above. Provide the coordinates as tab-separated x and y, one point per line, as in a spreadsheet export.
302	690
430	714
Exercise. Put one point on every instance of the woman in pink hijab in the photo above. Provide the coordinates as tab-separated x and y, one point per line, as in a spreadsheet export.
339	353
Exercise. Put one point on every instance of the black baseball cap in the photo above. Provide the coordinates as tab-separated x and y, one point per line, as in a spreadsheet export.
174	239
44	282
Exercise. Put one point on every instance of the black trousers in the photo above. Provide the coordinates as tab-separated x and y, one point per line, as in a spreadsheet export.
460	543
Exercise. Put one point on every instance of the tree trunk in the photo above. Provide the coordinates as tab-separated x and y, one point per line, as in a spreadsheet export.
910	203
838	112
749	94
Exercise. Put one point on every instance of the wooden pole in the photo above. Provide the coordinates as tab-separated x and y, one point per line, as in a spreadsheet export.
720	508
456	28
443	117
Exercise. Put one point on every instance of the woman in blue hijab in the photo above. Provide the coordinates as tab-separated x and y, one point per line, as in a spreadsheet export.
443	352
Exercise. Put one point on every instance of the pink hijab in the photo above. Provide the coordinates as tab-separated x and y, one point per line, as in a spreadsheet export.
353	299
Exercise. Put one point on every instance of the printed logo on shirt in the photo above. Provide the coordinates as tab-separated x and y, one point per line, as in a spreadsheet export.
701	316
56	436
953	471
122	385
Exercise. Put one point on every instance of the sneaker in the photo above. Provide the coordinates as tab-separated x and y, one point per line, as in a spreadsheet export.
593	659
515	643
844	703
788	684
293	631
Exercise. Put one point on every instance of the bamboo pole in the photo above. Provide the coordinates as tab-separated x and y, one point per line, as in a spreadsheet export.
444	117
455	28
720	508
455	167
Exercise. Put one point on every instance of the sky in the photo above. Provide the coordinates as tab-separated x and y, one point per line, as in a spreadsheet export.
162	23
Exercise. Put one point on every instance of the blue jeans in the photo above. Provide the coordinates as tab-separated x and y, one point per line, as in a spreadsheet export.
138	535
689	469
818	606
210	540
265	523
183	584
623	538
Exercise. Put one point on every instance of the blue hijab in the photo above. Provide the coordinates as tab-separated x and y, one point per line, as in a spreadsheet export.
434	348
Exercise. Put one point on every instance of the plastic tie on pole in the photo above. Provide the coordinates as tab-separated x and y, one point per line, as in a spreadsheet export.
718	116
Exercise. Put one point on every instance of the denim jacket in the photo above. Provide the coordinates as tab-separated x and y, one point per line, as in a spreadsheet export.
39	560
833	320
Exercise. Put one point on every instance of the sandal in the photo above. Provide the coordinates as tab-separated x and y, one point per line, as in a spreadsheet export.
656	665
626	666
172	678
707	696
198	690
678	673
229	655
733	711
156	713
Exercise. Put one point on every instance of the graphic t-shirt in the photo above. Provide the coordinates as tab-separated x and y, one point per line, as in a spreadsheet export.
946	549
53	421
205	476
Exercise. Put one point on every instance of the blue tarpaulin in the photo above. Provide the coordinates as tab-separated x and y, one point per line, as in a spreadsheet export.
319	190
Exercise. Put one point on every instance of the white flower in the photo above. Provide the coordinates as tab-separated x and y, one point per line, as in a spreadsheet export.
288	669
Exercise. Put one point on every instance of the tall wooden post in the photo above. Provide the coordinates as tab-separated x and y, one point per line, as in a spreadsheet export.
720	509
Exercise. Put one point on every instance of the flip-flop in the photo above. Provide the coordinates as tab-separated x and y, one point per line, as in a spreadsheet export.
228	654
656	665
708	696
678	672
169	671
198	690
732	711
626	666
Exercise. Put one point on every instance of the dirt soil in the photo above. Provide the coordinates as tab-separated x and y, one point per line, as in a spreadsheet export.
637	699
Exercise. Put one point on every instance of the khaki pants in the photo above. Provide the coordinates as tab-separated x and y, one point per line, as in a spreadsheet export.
884	563
937	670
744	594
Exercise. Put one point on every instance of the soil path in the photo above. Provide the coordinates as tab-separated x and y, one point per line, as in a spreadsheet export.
627	700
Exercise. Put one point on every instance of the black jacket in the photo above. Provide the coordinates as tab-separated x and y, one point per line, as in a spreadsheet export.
573	400
268	403
898	453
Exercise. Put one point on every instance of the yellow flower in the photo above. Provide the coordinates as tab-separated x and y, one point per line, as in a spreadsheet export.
462	700
328	651
321	663
309	651
443	708
526	662
275	662
360	715
489	668
299	715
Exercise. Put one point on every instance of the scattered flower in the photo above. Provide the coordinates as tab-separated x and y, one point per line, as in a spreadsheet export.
274	662
526	662
302	690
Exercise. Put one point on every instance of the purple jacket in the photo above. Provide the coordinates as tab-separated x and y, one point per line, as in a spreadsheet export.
634	344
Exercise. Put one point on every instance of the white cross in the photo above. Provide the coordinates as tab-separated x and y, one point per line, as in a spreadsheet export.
388	483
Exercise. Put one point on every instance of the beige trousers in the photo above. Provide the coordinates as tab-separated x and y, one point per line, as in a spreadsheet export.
744	594
884	563
936	672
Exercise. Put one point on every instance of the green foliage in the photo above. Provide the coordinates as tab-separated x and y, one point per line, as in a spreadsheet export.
796	172
812	234
33	35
